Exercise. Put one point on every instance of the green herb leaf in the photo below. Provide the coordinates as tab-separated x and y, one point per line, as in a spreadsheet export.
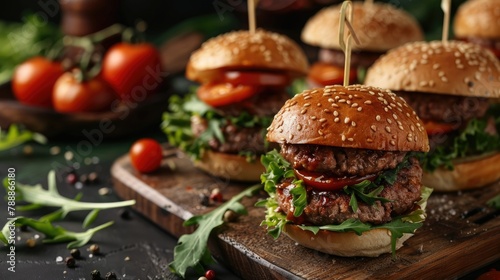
37	195
90	218
191	250
53	234
473	140
348	225
16	136
299	199
494	202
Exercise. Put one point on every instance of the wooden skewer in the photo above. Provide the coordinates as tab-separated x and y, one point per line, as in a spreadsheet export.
345	43
251	15
445	6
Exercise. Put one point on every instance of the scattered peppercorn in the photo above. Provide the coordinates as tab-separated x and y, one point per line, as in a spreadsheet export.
104	191
110	276
125	214
71	178
75	253
216	195
94	249
210	274
93	177
70	262
230	216
84	179
95	274
202	278
30	242
204	199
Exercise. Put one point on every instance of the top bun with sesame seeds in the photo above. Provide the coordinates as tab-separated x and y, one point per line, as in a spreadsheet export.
340	145
478	22
451	86
379	27
452	68
356	116
262	50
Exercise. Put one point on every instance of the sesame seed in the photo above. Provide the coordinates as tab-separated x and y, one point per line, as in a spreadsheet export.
444	79
341	100
388	129
331	100
303	111
327	93
313	117
335	113
299	127
371	92
359	109
322	120
353	123
369	140
395	116
319	104
320	132
389	121
335	105
343	137
377	117
368	102
354	105
350	139
412	128
373	127
401	127
307	104
336	120
346	120
307	97
348	102
392	142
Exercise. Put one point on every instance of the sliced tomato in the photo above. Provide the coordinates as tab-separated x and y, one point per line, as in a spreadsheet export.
329	183
328	74
434	128
256	78
224	94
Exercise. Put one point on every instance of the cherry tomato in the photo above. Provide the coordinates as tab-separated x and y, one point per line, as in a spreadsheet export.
434	128
493	274
224	94
145	155
328	183
256	78
34	79
132	69
328	74
71	96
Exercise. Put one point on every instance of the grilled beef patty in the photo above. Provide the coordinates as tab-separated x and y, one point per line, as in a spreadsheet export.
332	207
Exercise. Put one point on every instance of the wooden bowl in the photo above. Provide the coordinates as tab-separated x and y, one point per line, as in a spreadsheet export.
125	120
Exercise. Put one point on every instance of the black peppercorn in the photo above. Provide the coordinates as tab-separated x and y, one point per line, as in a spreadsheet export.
93	178
70	262
95	274
125	214
204	200
75	253
94	249
110	276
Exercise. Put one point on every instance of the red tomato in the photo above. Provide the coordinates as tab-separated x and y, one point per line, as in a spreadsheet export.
327	183
493	274
434	128
224	94
132	70
328	74
34	79
146	155
256	78
89	96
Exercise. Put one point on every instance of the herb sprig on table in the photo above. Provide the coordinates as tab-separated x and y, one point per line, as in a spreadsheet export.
191	250
37	197
16	136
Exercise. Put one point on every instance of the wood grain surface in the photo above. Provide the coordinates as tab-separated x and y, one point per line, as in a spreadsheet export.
460	235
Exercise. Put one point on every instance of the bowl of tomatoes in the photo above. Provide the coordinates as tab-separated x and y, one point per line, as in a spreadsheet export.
126	94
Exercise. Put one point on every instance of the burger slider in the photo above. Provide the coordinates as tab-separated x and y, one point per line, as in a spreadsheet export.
449	85
243	77
379	27
347	173
478	22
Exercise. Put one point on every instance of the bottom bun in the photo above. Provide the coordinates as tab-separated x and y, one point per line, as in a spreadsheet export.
371	243
466	175
233	167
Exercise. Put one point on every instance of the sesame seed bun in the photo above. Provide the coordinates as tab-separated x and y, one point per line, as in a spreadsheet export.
478	18
356	116
466	174
371	243
379	27
243	50
454	68
230	166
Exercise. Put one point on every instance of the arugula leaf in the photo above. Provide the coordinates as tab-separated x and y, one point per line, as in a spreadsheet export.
473	140
494	202
37	195
177	124
348	225
53	234
191	250
16	136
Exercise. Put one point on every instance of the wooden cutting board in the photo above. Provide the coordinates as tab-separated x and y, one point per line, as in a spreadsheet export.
460	235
